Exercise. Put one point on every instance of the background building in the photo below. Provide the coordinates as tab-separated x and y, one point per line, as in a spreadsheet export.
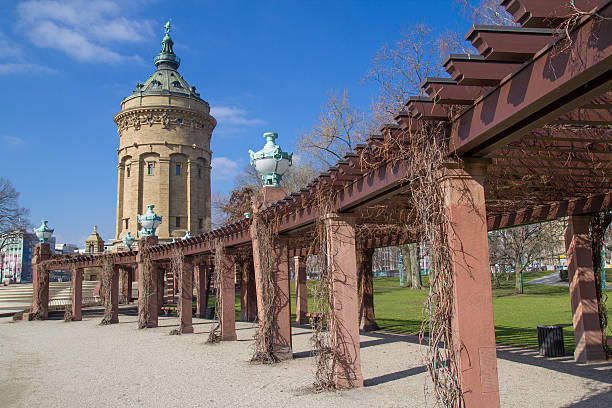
164	152
16	255
94	244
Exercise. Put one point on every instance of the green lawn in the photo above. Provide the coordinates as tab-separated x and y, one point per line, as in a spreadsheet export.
516	316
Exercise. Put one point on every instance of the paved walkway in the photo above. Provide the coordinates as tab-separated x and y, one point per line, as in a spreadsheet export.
18	296
82	364
552	279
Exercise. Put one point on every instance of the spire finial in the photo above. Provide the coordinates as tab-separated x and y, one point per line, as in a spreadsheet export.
95	229
167	57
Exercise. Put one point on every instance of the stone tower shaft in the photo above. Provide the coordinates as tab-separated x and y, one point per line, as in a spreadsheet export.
164	152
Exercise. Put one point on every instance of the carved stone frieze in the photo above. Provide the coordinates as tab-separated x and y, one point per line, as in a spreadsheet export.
167	118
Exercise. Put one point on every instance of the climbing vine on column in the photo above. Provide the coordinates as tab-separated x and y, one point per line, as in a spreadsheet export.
215	333
176	268
266	234
106	279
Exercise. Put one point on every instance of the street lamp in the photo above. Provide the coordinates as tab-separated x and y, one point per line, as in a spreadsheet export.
43	232
271	162
149	222
128	241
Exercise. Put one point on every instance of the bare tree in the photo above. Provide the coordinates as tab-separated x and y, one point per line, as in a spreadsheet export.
298	175
218	216
13	218
520	246
248	177
341	126
487	12
399	70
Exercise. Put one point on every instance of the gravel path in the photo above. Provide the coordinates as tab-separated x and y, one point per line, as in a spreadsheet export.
81	364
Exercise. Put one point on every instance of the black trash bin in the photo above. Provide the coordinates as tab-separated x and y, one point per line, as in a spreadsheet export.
550	341
210	312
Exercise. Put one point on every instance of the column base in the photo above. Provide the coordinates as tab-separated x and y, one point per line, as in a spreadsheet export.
229	337
594	356
285	353
186	330
346	382
368	327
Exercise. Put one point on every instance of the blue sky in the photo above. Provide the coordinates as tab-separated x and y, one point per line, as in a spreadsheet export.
263	66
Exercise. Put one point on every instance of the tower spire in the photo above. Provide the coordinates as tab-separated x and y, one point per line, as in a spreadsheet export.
166	57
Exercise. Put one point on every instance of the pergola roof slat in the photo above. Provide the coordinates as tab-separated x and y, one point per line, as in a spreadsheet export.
474	70
501	43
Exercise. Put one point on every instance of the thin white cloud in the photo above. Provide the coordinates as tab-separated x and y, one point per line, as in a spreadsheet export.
224	168
12	140
82	29
229	115
16	62
21	68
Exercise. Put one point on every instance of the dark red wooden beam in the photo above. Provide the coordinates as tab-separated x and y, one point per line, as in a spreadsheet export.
549	212
425	108
583	116
501	43
446	91
545	13
543	89
474	70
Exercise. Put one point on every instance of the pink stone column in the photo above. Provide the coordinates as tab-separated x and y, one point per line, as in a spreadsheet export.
126	283
115	295
283	348
147	285
161	288
248	297
251	291
200	276
366	291
227	294
186	296
342	264
472	321
77	294
281	343
42	252
301	291
583	295
244	281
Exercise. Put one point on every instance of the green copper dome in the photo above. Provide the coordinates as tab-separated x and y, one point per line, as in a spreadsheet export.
166	79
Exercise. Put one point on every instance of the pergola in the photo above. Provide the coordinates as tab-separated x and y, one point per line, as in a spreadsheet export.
529	124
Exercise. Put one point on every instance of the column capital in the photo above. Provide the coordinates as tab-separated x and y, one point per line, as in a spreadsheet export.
466	168
348	218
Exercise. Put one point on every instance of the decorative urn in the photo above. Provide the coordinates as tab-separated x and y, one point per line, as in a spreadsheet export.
128	241
149	222
271	162
43	233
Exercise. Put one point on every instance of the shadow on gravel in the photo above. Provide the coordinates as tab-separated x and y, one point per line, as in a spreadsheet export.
601	372
398	375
